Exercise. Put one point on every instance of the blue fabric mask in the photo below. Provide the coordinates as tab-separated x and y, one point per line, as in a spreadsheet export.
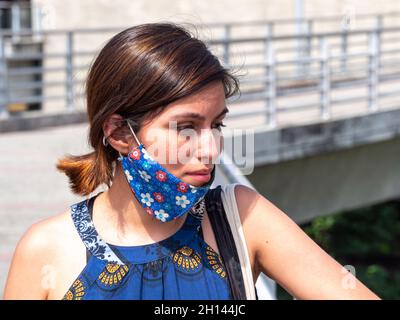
163	195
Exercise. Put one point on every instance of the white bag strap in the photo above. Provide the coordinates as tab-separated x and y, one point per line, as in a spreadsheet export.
232	213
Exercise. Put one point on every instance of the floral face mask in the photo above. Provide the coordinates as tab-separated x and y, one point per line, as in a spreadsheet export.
163	195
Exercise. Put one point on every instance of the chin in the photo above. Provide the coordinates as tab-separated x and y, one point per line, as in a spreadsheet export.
197	181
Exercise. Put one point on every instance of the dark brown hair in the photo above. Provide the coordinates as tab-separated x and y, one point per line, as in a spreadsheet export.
138	72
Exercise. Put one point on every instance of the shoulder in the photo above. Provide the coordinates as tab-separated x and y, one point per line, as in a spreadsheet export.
46	234
251	204
255	209
38	250
262	221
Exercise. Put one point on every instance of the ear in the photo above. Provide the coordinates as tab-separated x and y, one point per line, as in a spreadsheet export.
116	134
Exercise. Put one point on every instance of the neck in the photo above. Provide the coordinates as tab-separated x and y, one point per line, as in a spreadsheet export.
120	219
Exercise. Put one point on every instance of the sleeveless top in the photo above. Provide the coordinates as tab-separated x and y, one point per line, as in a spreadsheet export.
182	266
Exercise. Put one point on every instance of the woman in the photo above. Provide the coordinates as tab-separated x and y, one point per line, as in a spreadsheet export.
141	238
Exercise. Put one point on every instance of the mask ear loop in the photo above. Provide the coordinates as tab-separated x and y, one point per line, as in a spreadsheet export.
134	135
137	141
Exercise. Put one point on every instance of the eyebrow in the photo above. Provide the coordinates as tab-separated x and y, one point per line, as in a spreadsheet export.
198	116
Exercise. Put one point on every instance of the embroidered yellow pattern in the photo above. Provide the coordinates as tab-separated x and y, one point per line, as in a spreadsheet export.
113	274
214	260
76	292
187	258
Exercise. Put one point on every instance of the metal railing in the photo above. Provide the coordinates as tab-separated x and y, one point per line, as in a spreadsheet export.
19	15
283	65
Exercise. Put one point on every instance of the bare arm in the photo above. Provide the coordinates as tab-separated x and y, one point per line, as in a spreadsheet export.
285	253
25	278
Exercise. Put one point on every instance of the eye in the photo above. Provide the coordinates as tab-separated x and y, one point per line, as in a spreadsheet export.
219	125
184	126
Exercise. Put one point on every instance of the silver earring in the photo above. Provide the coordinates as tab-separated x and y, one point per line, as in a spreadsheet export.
120	156
105	142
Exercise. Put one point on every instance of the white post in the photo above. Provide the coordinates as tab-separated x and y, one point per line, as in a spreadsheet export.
36	18
344	46
3	81
300	29
308	47
15	21
271	85
325	80
227	37
69	72
373	72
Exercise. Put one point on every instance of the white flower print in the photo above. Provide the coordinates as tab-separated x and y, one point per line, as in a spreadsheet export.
193	189
128	175
147	199
147	156
161	215
182	201
144	175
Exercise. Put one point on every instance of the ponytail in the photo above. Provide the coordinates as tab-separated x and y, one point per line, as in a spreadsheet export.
87	172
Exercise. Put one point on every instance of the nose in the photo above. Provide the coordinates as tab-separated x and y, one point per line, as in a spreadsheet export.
209	146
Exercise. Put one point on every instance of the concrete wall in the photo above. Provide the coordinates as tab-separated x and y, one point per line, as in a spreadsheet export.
117	13
334	181
100	13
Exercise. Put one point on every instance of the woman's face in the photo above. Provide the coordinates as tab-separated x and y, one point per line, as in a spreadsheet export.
186	136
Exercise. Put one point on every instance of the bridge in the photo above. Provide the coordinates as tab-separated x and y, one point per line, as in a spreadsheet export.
316	128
